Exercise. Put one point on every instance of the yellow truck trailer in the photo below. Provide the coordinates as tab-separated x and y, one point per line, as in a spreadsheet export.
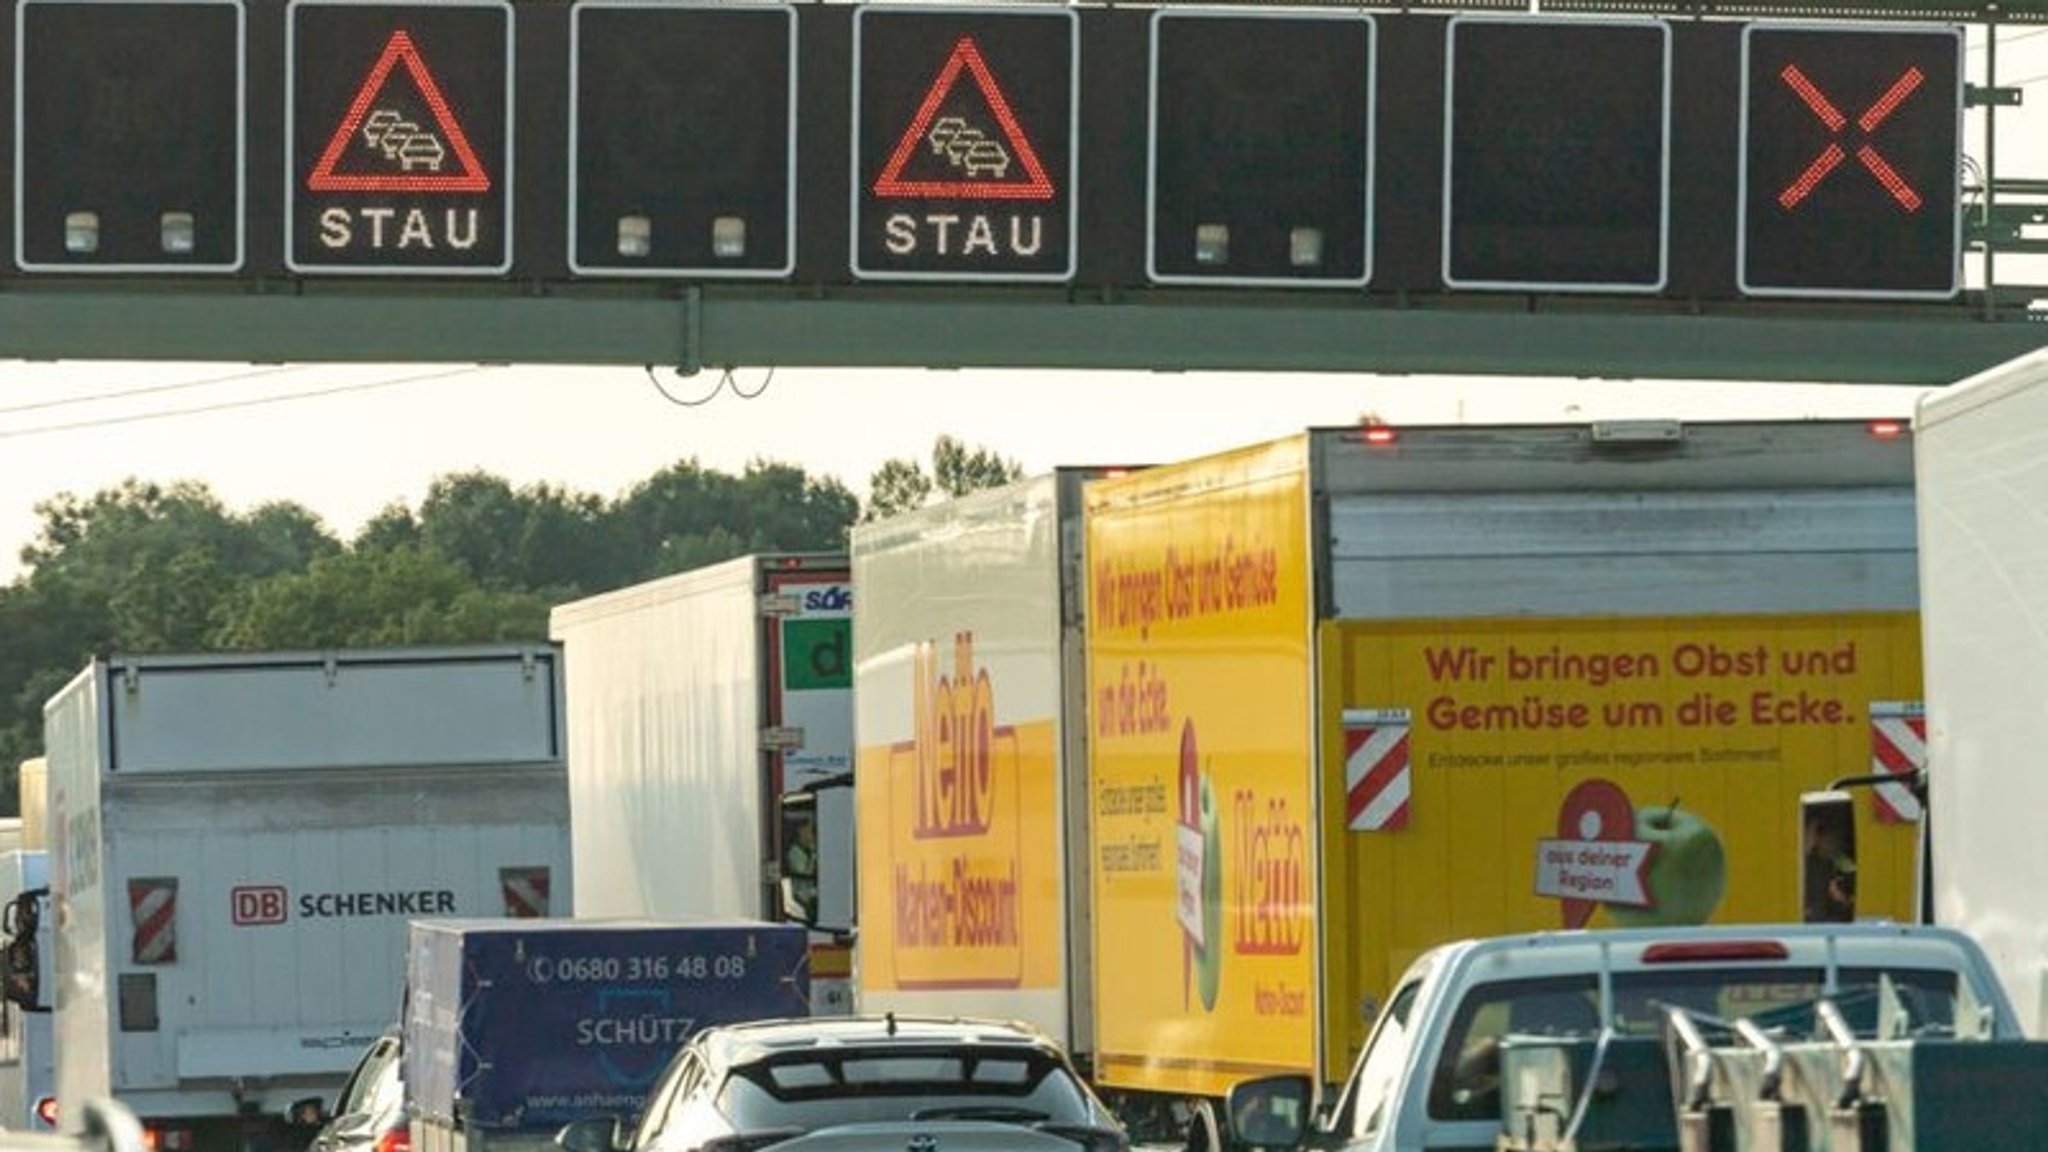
1351	696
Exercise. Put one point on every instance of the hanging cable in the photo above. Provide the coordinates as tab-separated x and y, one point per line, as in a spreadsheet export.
151	390
726	382
678	401
228	405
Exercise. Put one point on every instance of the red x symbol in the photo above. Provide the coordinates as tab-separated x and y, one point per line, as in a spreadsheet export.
1832	156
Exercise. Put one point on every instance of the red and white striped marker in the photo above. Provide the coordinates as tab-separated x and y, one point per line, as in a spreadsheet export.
1376	769
526	892
153	902
1898	747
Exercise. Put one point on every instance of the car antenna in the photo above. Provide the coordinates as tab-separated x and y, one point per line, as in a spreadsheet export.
889	1020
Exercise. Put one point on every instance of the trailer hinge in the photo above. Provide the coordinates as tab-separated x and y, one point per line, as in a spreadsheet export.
781	738
131	680
1978	96
528	665
781	604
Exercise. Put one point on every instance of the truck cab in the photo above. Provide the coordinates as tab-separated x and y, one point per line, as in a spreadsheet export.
1569	1039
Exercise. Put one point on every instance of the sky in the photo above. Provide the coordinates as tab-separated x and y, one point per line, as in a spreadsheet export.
347	441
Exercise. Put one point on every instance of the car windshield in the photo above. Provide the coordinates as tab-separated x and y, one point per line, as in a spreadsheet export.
1781	1001
817	1089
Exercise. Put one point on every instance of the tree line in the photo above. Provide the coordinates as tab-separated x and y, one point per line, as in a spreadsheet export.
148	567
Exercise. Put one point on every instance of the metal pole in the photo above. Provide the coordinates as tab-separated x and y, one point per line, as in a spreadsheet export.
1990	157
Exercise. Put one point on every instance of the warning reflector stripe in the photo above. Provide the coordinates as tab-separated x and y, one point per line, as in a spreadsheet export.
525	891
1376	769
153	904
1898	747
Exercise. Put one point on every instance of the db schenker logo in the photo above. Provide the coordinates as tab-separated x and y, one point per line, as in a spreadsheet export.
258	904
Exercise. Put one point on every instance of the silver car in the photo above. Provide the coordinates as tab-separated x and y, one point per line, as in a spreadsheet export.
851	1084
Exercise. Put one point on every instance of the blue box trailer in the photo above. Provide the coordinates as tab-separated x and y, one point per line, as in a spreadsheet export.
514	1028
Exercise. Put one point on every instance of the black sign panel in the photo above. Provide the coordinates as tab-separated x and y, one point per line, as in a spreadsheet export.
400	137
1261	161
1850	162
683	152
131	151
1557	154
964	123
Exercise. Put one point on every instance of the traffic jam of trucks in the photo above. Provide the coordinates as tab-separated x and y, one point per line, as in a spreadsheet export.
1514	787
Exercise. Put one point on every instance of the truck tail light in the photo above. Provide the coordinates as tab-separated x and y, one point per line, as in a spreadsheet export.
46	1111
398	1139
155	1139
1887	429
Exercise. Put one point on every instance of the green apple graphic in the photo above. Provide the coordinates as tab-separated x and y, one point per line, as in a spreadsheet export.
1688	873
1209	957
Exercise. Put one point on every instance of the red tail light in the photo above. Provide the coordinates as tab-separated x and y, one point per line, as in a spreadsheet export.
46	1110
1379	434
1715	951
1888	429
397	1139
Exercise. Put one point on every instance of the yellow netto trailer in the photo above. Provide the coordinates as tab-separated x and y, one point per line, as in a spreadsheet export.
1354	693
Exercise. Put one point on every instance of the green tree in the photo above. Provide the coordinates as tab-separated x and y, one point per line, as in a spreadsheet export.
901	484
138	567
687	516
959	470
383	599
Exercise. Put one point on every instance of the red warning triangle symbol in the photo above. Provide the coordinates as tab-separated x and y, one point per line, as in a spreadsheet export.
969	162
405	155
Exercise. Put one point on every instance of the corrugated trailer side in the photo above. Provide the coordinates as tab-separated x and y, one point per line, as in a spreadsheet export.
1983	483
958	629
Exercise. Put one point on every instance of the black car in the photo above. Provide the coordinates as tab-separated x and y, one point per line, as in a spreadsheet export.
851	1084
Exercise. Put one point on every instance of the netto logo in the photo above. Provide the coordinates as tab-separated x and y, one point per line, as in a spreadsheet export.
955	724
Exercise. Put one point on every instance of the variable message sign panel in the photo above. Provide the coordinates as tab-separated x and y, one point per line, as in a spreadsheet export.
1557	154
400	137
1850	161
129	143
1261	156
683	139
963	149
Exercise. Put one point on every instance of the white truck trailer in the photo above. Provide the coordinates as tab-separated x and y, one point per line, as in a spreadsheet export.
28	1094
695	702
238	843
1982	472
971	608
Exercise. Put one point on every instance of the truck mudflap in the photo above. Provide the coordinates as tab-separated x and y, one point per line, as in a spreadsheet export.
1711	1086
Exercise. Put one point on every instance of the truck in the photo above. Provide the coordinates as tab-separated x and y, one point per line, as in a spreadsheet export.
1346	695
237	842
28	1097
696	703
1859	1037
1983	591
515	1029
969	703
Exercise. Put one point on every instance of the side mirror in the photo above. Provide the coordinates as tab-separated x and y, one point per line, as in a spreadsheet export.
599	1134
20	965
1827	857
106	1125
1270	1112
306	1112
